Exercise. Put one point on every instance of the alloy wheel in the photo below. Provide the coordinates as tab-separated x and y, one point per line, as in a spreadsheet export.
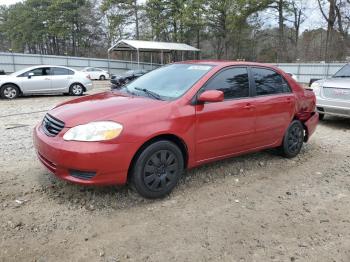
10	92
77	89
295	139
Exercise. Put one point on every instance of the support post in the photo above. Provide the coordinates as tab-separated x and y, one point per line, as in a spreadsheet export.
109	66
131	63
138	59
161	57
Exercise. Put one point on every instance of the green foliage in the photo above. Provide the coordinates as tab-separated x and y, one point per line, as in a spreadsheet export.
49	26
223	29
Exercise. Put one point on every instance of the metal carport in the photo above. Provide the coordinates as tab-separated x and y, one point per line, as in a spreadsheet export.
152	47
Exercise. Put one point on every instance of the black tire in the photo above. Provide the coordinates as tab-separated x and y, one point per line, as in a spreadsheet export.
76	89
102	77
293	140
9	91
157	169
321	116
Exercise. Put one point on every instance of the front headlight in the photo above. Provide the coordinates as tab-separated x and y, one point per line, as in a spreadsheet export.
94	131
315	86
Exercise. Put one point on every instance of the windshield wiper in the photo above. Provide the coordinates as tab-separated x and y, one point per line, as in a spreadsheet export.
149	92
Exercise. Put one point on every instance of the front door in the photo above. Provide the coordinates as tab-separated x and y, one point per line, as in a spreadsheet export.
37	83
226	127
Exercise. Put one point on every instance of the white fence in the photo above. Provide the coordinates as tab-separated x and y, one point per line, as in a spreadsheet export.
11	62
305	72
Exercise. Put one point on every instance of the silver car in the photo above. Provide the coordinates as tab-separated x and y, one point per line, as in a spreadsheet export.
333	94
45	79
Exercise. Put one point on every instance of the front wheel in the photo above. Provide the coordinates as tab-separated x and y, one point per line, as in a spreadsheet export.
9	91
76	89
102	77
293	139
157	169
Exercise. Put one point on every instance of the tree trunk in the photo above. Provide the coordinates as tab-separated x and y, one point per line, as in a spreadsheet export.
281	43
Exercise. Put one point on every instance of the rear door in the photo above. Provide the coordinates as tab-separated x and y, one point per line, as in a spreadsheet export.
40	82
226	127
60	79
274	103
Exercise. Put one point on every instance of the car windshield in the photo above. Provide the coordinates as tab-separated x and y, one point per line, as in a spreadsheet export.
343	72
168	82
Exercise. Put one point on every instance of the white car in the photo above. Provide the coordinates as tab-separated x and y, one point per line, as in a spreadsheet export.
96	73
333	94
44	79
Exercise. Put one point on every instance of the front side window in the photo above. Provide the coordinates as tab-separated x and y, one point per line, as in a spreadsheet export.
234	82
43	71
169	82
269	82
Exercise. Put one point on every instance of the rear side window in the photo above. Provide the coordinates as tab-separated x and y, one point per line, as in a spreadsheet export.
269	82
58	71
233	82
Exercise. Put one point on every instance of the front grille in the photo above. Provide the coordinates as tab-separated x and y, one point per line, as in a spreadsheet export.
52	126
337	93
82	174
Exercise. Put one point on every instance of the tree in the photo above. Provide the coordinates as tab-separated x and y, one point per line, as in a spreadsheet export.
331	19
128	12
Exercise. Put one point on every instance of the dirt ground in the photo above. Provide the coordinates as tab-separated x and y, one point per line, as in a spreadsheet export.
258	207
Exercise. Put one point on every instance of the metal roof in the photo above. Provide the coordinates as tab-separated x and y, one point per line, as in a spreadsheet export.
148	46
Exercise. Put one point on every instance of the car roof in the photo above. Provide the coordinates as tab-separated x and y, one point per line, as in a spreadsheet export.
226	63
223	63
39	66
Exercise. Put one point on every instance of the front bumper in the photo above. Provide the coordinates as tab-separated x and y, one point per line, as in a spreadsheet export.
104	163
333	107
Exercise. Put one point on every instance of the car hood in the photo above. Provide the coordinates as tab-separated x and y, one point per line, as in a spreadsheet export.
336	82
101	107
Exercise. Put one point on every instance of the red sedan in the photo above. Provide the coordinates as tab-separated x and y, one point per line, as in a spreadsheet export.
176	117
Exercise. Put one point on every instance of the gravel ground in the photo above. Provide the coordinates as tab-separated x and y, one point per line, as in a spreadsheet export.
258	207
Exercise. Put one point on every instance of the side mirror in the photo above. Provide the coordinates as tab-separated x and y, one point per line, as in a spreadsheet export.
30	75
211	96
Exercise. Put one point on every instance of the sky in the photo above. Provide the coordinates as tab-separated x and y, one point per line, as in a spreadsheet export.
8	2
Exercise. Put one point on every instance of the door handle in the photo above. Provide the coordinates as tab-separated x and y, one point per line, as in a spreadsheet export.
47	79
248	106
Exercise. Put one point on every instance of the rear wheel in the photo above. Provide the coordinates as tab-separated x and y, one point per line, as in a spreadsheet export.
9	91
76	89
157	169
293	140
102	77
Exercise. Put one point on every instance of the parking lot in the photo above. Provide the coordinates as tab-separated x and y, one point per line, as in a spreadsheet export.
258	207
